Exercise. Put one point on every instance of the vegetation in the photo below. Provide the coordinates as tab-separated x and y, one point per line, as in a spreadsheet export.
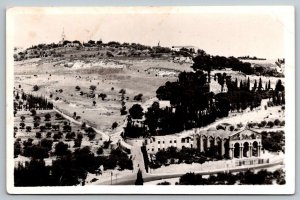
262	177
139	178
174	156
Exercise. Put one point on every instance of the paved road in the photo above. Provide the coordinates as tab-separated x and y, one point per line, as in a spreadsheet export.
130	179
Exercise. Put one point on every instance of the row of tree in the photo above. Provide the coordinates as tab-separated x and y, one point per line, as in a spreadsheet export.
262	177
69	168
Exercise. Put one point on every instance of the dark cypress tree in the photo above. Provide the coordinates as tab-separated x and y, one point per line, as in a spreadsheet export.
255	86
236	83
248	84
241	85
266	86
269	86
259	85
139	178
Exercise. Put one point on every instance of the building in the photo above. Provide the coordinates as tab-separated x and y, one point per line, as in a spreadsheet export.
240	144
177	48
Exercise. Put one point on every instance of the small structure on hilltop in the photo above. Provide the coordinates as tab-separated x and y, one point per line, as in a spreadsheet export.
63	36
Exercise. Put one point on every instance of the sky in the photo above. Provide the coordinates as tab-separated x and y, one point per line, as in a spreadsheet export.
231	33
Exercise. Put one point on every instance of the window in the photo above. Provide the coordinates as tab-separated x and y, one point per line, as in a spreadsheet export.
158	142
182	140
163	142
158	149
170	141
152	149
175	141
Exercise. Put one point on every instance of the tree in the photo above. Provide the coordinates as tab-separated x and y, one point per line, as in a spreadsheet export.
33	112
203	62
138	97
48	135
38	135
100	151
22	118
93	88
35	88
77	88
139	178
270	124
28	128
22	125
102	96
136	111
47	144
61	149
91	135
114	125
248	84
47	117
260	85
254	86
58	116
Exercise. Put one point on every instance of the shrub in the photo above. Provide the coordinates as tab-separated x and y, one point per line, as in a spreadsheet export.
35	88
91	135
263	123
61	149
100	151
276	122
138	97
47	117
47	144
77	142
270	124
164	183
77	88
28	128
114	125
33	112
22	125
38	135
48	135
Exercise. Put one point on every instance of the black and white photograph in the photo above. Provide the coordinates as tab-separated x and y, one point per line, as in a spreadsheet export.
150	100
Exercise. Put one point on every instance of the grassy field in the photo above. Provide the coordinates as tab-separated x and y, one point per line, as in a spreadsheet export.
109	78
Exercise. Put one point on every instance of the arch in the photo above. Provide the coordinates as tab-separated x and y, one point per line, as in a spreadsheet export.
204	142
211	142
236	151
219	146
255	149
246	149
198	142
226	147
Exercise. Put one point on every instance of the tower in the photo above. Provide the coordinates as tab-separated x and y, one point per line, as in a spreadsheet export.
63	36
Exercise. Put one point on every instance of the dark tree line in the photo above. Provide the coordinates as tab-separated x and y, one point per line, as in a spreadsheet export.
191	102
262	177
69	168
29	101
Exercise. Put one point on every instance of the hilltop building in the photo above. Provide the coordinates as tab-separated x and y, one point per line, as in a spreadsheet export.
178	48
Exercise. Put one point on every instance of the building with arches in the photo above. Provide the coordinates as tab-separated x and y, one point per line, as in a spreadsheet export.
245	143
239	144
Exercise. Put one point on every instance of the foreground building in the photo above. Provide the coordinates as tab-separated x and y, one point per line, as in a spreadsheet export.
244	143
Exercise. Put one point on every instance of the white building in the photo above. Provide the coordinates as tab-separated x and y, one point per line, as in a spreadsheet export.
177	48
